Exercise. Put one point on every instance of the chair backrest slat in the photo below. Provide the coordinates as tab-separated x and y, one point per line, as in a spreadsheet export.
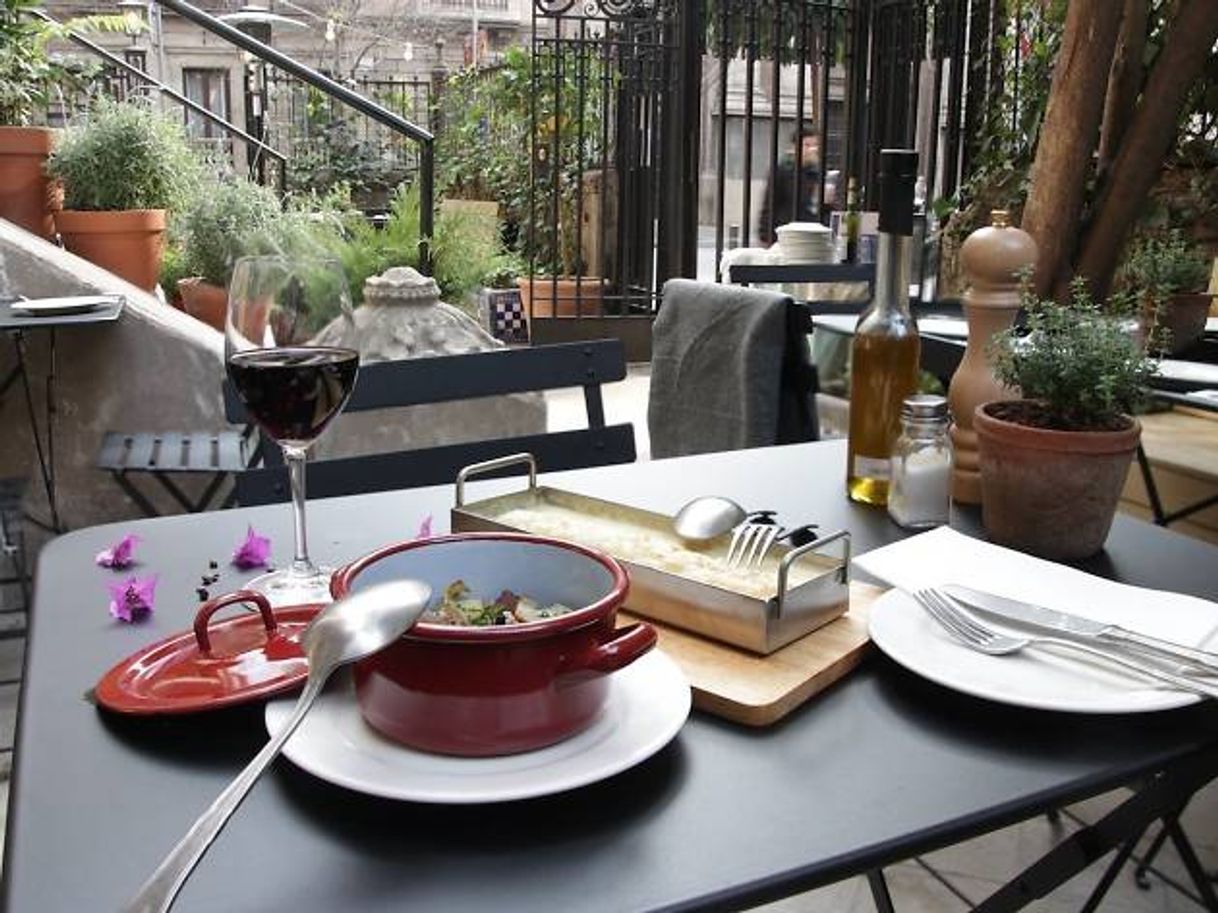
417	381
420	381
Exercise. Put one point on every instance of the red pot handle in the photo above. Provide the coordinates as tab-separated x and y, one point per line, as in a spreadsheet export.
627	645
212	606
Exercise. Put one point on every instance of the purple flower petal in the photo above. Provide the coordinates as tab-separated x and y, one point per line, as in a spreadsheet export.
253	552
120	555
424	529
132	600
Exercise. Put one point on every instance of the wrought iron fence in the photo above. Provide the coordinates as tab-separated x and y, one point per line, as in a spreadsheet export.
325	145
665	133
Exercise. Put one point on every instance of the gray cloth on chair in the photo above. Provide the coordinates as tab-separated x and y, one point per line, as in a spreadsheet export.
728	370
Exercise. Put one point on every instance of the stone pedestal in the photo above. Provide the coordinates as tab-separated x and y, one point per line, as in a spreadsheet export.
402	317
992	259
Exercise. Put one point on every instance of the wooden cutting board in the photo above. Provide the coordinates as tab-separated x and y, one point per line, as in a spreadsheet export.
759	690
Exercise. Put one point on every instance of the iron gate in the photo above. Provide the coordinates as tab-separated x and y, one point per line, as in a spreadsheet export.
662	131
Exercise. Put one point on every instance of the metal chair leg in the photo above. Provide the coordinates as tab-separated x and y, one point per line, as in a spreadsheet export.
879	891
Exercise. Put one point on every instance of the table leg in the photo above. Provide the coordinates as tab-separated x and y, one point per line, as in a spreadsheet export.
1201	880
51	413
1152	490
44	467
1161	795
879	891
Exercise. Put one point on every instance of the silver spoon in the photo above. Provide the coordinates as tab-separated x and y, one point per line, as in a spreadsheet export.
706	518
341	633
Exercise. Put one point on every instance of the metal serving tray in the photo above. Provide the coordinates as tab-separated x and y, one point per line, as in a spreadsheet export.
795	591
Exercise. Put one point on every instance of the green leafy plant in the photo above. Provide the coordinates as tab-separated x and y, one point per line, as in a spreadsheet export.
233	219
1078	364
1160	265
333	155
126	156
526	134
29	72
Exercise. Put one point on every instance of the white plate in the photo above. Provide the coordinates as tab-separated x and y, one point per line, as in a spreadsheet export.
951	327
648	703
1032	678
1195	372
1211	324
53	307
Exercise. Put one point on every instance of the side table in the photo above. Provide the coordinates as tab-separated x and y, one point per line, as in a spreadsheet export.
17	321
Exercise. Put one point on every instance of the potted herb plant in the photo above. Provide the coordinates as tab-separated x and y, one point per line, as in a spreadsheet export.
121	171
1169	277
1053	463
233	219
29	75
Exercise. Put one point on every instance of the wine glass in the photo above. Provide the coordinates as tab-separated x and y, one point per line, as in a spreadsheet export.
291	352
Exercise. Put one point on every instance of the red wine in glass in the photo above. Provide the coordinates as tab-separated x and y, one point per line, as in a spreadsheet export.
294	392
292	354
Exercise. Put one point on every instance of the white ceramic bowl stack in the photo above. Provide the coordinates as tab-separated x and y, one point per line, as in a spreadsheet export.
805	242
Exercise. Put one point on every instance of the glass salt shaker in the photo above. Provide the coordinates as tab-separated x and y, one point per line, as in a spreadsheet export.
919	493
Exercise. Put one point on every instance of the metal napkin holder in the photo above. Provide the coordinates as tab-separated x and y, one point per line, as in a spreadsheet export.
759	625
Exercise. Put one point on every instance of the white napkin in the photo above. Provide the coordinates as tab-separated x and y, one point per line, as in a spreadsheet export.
944	556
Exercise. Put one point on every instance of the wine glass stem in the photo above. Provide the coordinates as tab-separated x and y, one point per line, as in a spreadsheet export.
295	458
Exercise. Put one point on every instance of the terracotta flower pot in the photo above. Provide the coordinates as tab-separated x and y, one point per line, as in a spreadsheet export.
204	301
27	195
1046	492
129	243
560	297
1184	317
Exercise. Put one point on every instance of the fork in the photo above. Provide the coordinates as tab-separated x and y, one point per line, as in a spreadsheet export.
752	539
973	634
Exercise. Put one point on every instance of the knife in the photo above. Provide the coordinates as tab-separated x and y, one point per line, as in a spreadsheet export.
1083	629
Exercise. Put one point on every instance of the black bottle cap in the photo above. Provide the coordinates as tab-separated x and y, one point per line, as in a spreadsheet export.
898	174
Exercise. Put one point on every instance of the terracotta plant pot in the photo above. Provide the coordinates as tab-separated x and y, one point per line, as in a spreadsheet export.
128	244
27	196
1183	316
502	689
1050	493
550	297
204	301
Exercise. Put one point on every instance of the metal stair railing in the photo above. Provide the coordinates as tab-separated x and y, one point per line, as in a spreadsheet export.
116	61
365	106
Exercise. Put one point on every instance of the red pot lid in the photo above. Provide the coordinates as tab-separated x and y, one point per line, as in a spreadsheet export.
234	661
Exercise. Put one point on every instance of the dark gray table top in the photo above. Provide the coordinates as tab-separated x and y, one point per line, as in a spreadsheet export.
880	767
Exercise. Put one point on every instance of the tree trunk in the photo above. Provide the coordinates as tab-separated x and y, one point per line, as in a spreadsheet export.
1150	135
1069	134
1125	80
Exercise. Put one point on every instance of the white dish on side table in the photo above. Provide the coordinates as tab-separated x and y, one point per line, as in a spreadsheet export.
648	703
58	307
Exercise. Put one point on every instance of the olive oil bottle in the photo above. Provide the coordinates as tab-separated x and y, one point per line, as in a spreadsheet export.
885	351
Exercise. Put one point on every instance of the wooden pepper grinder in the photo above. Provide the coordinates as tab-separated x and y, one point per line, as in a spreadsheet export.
992	259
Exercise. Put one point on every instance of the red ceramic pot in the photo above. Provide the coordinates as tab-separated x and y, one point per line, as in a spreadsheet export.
496	690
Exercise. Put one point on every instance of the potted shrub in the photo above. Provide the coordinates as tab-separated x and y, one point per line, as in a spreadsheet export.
121	171
499	306
1053	463
29	75
233	219
1169	277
